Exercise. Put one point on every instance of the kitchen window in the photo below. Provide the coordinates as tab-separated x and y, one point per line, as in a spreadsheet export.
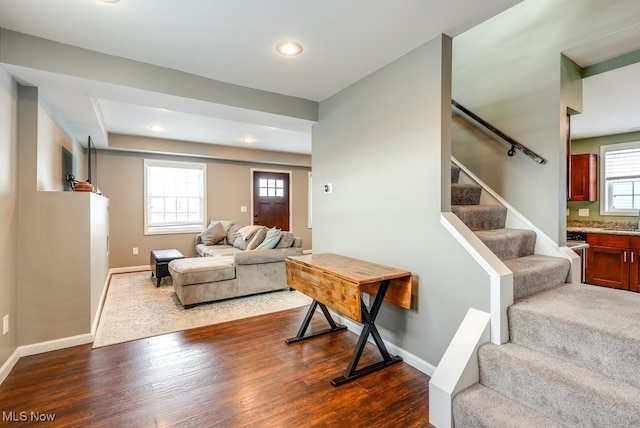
620	182
174	197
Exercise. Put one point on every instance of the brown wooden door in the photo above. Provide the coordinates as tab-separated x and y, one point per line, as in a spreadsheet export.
271	199
606	266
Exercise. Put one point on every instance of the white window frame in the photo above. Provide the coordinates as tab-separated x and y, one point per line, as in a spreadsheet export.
605	202
176	227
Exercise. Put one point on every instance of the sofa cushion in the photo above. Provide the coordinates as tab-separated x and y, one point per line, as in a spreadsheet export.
271	239
286	240
213	234
197	270
216	250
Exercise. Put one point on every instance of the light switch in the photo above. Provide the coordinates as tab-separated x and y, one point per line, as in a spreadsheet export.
243	209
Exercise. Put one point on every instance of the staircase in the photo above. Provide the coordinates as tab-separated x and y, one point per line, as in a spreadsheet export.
574	353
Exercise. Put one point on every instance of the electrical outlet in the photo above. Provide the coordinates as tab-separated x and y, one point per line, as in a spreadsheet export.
5	324
243	209
135	250
583	212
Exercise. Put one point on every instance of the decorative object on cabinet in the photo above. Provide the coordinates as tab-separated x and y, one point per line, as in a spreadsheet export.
583	177
612	261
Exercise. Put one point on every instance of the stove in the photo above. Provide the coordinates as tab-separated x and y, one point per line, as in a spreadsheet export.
576	236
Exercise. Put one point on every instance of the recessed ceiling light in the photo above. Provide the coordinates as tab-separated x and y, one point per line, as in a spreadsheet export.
109	1
155	128
289	48
248	140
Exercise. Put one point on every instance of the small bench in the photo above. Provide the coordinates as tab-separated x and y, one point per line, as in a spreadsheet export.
159	262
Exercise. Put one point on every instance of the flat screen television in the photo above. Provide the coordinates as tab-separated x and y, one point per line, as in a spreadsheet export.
92	163
67	169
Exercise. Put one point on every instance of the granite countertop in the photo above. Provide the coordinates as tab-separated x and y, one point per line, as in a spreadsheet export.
604	227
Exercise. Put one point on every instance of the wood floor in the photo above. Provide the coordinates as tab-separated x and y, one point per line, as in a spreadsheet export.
237	374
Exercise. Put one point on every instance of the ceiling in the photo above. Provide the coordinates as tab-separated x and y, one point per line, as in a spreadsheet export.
234	42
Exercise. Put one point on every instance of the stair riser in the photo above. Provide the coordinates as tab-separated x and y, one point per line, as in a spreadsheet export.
485	217
566	399
455	173
600	351
465	194
520	244
534	274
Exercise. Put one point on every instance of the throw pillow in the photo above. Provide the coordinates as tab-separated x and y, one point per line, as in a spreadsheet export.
232	233
286	240
256	239
270	240
225	223
213	234
247	232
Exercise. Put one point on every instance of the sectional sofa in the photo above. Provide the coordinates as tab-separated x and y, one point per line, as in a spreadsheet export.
233	260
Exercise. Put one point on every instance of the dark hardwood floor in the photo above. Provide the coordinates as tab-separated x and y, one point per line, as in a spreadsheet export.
234	374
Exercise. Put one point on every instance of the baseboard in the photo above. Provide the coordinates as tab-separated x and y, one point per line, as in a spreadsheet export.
39	348
8	365
128	269
407	357
54	345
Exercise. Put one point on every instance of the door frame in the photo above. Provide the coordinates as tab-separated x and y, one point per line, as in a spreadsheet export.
280	171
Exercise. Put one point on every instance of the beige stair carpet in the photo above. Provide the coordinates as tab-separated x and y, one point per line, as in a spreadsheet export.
134	309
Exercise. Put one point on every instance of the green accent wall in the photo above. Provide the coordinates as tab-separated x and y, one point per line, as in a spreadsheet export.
592	145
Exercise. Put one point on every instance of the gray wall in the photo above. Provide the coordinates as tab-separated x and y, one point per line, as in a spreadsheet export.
8	213
121	179
509	70
384	145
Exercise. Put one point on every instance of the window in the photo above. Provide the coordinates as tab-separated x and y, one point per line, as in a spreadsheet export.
271	187
621	178
174	197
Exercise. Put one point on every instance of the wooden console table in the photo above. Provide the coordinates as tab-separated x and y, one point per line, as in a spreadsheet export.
338	282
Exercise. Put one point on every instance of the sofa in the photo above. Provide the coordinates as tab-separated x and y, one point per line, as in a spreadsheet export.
233	260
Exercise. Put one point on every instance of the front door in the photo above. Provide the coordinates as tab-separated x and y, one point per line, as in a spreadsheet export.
271	199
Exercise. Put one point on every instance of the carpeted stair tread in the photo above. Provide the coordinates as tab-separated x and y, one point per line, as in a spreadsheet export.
481	217
479	406
536	273
465	194
508	243
455	173
567	393
596	327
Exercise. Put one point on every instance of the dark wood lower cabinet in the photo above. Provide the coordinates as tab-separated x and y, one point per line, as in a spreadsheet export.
612	261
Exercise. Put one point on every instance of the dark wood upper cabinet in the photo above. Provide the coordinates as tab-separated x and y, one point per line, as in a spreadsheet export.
583	177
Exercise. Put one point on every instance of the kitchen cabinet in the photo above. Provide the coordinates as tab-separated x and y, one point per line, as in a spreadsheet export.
583	177
612	261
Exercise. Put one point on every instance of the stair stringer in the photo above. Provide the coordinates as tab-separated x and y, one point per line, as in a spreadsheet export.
459	368
500	276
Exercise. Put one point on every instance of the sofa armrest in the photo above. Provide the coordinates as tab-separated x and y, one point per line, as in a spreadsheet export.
253	257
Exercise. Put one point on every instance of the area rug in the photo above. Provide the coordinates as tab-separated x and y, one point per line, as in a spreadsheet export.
134	309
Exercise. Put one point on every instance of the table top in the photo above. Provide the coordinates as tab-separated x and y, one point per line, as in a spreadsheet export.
353	270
